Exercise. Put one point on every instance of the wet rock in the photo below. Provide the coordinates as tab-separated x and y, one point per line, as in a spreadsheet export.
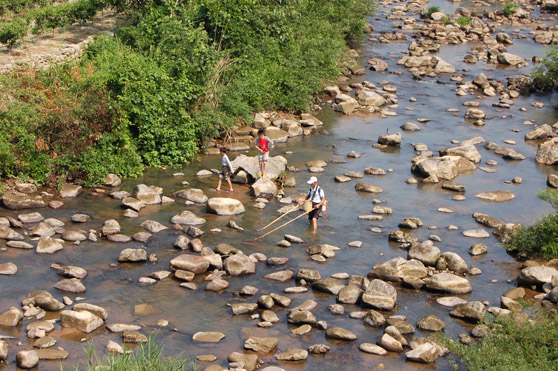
379	295
83	321
71	285
300	317
27	359
26	188
119	238
446	167
509	59
217	285
390	139
293	239
263	187
318	349
191	263
377	64
134	337
239	264
43	299
403	238
133	203
249	362
146	194
95	309
450	301
261	344
8	269
547	152
369	188
292	355
425	253
478	249
411	223
372	349
536	275
208	337
452	261
309	275
374	319
472	311
281	276
225	206
6	233
110	226
153	226
11	317
447	282
188	218
30	218
552	180
114	348
19	245
329	285
424	353
486	220
496	196
141	236
389	343
339	333
280	300
73	236
431	323
44	342
70	191
349	294
21	201
133	255
399	269
120	327
475	114
466	151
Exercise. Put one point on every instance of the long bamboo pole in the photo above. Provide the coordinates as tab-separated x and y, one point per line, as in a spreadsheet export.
282	225
284	214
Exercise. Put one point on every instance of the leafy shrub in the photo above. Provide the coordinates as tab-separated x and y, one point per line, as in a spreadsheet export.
463	21
445	20
509	8
545	76
13	31
431	10
512	344
540	239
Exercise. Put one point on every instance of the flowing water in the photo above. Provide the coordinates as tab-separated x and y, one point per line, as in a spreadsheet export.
115	286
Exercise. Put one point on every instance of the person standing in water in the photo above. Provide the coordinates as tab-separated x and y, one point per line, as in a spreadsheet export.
226	170
317	196
263	144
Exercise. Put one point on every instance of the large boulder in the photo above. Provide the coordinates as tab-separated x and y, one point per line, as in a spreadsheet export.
425	253
191	263
472	311
398	269
70	191
446	167
450	283
275	166
537	275
11	317
187	217
469	152
390	139
263	186
452	261
225	206
509	59
20	201
146	194
193	194
377	64
370	98
379	295
239	264
547	153
83	321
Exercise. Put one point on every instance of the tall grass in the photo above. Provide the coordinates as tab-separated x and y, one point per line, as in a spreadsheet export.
146	357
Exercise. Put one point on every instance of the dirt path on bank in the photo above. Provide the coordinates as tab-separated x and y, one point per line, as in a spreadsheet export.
40	51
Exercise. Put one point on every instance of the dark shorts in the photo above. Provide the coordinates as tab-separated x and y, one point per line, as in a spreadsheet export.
315	213
225	173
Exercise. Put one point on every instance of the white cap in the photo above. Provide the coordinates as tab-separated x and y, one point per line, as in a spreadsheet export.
312	180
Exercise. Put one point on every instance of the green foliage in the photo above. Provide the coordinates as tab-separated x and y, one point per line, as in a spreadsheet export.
545	76
463	21
11	32
431	10
145	357
539	240
446	20
509	8
512	344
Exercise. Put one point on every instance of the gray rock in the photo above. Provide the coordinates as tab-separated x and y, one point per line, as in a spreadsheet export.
48	245
379	295
146	194
536	275
20	201
27	359
191	263
225	206
94	309
292	355
261	344
450	283
374	319
368	188
318	349
43	299
472	311
133	203
496	196
329	285
8	269
339	333
83	321
239	264
390	139
153	226
11	317
372	349
208	337
389	343
71	285
431	323
70	191
425	253
132	255
188	218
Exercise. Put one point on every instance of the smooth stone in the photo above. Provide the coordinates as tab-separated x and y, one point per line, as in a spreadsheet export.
372	349
208	337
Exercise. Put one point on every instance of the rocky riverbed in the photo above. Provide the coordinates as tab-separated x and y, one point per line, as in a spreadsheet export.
427	157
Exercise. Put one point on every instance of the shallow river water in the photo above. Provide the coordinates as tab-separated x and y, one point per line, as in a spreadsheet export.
115	286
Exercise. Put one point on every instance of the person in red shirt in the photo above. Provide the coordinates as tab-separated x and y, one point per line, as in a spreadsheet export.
263	144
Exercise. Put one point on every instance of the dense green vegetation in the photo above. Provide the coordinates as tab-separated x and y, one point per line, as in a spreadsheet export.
161	87
539	240
509	8
545	76
512	344
146	357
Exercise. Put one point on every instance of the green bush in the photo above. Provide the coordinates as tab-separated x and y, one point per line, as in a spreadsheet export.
545	76
13	31
512	344
539	240
463	21
445	20
431	10
509	8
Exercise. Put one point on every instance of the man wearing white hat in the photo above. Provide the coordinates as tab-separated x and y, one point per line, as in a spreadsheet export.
317	196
